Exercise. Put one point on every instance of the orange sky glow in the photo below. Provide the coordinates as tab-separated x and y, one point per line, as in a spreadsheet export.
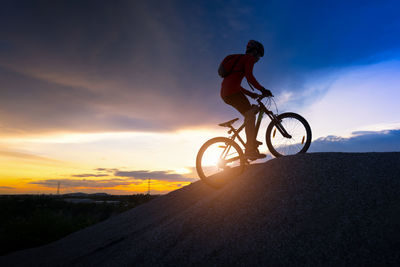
88	162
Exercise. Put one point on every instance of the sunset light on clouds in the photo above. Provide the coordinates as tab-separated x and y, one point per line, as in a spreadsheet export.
101	96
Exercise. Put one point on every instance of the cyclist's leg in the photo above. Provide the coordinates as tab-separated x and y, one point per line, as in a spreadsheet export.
252	152
240	102
249	122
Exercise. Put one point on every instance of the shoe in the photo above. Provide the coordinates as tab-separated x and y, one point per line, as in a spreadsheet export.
253	154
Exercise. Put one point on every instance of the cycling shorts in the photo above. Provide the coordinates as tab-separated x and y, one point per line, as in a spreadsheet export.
239	101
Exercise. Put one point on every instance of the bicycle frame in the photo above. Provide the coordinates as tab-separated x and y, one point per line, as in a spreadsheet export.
262	110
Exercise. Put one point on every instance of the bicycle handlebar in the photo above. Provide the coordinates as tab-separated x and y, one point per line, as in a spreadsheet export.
261	96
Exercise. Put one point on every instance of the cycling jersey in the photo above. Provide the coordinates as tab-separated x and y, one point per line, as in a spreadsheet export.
244	68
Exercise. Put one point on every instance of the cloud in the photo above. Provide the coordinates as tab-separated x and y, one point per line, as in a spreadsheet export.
105	169
89	175
6	187
76	183
151	65
128	178
362	141
156	175
101	77
358	97
26	156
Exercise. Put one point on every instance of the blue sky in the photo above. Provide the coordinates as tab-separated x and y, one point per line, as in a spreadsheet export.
94	70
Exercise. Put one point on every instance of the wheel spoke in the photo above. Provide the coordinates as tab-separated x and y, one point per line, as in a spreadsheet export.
218	160
297	128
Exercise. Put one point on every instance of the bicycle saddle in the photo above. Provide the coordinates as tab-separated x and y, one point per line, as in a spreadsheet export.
228	123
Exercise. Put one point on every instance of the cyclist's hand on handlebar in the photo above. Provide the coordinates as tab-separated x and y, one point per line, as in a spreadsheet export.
253	95
266	92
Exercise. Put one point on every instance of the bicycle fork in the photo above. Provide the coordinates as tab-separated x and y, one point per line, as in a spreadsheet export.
222	162
278	125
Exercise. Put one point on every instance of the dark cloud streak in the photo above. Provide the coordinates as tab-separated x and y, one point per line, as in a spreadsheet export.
157	175
105	169
7	187
26	156
89	175
117	178
76	183
151	65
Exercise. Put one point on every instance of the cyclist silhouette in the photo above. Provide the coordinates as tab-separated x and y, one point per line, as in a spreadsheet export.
241	65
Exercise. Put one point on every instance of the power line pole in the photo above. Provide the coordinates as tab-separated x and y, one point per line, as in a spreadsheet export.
148	186
58	188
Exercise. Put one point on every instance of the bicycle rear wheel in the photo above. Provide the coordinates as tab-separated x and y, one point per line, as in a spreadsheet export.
298	129
219	160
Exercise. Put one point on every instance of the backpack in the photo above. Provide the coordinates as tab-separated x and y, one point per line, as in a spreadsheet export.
228	64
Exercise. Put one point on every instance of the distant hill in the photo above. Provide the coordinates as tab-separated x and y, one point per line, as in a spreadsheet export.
80	194
312	209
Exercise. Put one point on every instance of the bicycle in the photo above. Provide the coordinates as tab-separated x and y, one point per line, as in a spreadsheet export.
221	158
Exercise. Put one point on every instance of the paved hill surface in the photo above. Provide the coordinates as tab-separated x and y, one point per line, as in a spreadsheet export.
320	208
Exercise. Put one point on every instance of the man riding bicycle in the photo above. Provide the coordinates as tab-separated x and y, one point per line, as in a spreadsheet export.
234	94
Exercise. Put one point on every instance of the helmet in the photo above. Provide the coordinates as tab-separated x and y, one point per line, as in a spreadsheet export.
254	45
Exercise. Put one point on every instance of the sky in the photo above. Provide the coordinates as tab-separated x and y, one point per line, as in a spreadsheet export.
101	96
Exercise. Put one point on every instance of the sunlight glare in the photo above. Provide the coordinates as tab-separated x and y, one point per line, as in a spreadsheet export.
212	156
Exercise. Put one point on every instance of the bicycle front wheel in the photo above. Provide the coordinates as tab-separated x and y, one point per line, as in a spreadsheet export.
219	160
298	139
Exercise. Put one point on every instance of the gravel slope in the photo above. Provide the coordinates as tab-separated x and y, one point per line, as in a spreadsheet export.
311	209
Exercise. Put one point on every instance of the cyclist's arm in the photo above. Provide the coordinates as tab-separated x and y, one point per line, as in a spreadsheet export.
248	70
247	92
